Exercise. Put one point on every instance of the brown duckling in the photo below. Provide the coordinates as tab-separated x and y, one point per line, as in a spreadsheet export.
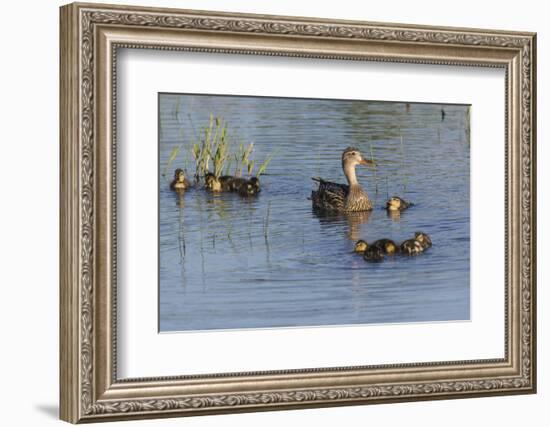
360	246
226	182
255	181
373	254
216	185
397	204
236	183
212	183
179	183
387	246
209	179
245	187
424	240
411	247
249	188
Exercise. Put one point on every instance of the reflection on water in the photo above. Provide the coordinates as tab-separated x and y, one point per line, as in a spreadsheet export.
352	221
272	261
394	215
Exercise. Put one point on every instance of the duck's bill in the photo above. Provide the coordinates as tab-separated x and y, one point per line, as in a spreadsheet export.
366	162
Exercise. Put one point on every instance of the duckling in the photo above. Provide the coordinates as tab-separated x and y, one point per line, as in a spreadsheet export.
223	183
424	240
397	204
236	183
411	247
373	254
255	181
226	182
387	246
248	188
360	246
179	183
211	182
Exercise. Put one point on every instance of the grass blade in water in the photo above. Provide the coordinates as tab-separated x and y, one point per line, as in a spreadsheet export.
173	154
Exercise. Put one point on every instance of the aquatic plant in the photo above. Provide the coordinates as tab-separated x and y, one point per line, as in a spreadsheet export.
213	152
202	150
374	168
206	148
242	158
405	175
250	167
201	163
182	247
173	154
176	149
264	165
266	223
220	145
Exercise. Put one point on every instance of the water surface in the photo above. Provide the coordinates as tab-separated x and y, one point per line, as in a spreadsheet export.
228	262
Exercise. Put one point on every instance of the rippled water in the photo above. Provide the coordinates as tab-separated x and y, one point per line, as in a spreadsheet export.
228	262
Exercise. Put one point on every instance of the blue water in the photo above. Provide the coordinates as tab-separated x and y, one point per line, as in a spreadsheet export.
228	262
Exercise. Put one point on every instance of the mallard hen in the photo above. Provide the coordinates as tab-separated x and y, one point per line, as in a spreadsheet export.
331	196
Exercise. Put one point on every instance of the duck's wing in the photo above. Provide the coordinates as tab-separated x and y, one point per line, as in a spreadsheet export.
329	195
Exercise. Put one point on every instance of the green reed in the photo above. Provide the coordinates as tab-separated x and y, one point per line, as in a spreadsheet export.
181	232
242	158
213	151
374	166
266	222
405	175
173	155
265	164
210	146
176	149
221	146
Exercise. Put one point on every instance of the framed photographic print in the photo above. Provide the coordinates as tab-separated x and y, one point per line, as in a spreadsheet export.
266	212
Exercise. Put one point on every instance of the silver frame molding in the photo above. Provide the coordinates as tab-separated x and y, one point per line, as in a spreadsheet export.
90	37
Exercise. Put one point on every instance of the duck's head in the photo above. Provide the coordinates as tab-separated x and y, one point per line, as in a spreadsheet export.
255	183
208	178
179	175
390	247
211	182
411	247
360	246
396	204
423	239
250	189
352	157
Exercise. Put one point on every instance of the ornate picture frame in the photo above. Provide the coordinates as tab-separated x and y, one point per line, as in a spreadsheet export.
90	37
